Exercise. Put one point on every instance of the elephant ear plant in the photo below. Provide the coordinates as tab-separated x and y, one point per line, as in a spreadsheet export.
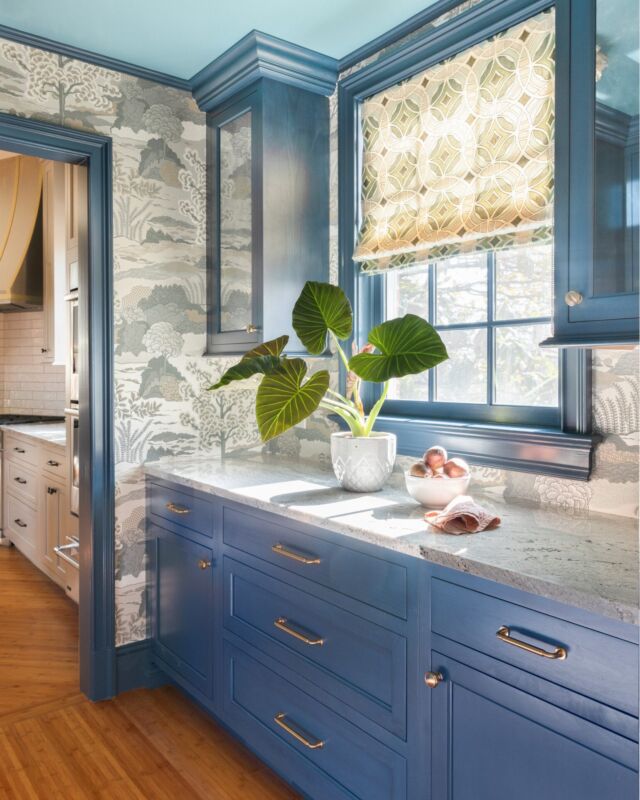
404	346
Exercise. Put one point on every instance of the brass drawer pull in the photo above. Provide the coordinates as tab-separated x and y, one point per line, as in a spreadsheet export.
298	735
504	634
203	564
283	624
19	450
21	481
53	463
176	509
281	550
20	523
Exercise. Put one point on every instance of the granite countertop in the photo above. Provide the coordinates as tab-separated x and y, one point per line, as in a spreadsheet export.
52	433
585	560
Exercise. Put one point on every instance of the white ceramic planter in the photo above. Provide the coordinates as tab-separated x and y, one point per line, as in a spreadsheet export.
363	464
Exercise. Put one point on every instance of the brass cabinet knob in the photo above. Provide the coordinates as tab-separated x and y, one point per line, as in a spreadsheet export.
204	564
573	298
432	679
251	328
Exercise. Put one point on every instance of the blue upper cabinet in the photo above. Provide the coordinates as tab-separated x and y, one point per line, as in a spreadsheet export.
268	211
597	204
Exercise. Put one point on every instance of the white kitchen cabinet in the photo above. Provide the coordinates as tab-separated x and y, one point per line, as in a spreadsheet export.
37	515
54	499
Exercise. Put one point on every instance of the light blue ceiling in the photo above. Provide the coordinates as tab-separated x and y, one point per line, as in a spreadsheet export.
180	37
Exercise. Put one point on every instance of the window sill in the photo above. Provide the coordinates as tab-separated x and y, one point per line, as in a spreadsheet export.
544	451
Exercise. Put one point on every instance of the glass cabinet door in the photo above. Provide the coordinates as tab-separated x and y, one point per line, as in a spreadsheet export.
616	147
597	294
236	312
233	298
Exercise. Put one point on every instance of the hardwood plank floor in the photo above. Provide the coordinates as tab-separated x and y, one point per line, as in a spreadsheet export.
143	745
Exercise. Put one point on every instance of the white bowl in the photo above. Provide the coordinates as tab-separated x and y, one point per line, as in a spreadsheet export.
436	492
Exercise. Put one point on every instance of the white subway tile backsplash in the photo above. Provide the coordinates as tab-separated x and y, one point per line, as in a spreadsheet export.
27	383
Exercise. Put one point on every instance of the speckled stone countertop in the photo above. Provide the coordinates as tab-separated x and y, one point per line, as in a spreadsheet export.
49	432
588	560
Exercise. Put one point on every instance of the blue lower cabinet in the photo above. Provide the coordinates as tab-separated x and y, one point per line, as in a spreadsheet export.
183	609
317	751
492	741
317	652
361	663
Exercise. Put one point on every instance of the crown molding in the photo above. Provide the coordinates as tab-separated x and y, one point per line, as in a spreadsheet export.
395	34
258	55
115	64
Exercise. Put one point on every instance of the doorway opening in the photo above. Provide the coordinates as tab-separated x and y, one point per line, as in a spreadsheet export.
55	199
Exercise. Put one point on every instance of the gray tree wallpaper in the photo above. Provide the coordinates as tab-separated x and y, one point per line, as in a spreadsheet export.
162	407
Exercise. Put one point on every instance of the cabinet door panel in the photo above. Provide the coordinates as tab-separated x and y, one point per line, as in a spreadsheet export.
184	607
597	282
236	214
491	741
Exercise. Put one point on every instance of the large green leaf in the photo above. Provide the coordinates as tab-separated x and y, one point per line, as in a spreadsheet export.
284	399
320	308
408	345
263	359
273	347
246	368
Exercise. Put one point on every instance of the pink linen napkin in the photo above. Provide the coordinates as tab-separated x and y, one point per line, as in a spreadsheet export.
462	515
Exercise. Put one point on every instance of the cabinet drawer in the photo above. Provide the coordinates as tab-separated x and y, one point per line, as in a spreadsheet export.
596	665
182	508
361	663
21	522
318	751
53	463
21	451
371	580
21	482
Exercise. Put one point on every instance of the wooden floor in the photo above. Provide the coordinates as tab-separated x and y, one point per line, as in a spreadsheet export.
56	745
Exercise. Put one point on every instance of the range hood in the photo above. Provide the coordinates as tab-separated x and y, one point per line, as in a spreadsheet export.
21	233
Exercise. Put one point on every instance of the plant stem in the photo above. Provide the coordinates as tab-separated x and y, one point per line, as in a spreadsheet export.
341	352
351	412
341	398
355	425
373	414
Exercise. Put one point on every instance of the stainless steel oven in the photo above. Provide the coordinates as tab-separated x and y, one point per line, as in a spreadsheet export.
73	443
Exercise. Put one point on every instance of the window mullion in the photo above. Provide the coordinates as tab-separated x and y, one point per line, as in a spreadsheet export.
491	352
432	319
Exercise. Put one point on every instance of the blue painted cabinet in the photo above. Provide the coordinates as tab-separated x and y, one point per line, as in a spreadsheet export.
597	172
183	627
360	673
267	211
492	741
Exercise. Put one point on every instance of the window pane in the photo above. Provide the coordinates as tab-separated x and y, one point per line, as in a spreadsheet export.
408	293
411	387
524	282
461	290
463	378
526	374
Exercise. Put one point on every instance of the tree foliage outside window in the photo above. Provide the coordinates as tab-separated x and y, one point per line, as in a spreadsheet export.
492	310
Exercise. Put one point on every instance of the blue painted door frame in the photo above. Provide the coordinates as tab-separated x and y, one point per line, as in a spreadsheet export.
97	581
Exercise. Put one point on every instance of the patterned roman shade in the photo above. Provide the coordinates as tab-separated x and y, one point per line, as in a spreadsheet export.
460	157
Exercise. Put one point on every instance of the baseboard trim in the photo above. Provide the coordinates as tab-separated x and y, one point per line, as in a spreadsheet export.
135	668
